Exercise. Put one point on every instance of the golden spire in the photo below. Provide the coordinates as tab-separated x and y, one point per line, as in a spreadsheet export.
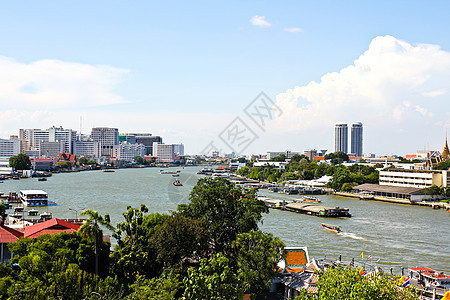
445	153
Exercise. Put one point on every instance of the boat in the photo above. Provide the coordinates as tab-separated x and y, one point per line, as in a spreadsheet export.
18	209
46	216
332	228
175	175
33	198
42	179
108	170
177	183
33	212
169	172
311	199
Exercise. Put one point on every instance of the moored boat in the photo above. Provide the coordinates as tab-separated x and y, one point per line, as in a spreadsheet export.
33	212
332	228
33	198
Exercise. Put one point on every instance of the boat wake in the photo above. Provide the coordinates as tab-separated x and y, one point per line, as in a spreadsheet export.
352	236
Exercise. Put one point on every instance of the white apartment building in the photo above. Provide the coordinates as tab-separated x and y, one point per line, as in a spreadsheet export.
31	139
86	148
415	178
9	147
164	152
107	138
127	151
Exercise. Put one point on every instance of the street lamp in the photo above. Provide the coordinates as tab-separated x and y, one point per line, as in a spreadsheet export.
76	212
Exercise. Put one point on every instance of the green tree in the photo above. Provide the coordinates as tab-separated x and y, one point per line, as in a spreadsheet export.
337	157
83	161
228	210
341	175
214	279
340	283
444	165
20	162
257	256
158	288
281	158
134	254
91	228
139	160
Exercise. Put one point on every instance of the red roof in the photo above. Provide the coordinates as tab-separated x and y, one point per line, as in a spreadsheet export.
66	157
50	227
430	273
9	235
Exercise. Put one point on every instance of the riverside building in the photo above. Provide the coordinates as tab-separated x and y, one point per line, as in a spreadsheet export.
107	139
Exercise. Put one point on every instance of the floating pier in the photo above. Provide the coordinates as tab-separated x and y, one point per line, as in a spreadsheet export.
307	208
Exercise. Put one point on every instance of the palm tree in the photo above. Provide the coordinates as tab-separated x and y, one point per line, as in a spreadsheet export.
91	228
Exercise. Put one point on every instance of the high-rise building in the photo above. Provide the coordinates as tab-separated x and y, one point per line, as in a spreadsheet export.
31	139
9	147
164	152
357	139
178	149
125	151
107	138
341	137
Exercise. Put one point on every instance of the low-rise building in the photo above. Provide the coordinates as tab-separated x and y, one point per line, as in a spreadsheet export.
9	147
127	151
414	178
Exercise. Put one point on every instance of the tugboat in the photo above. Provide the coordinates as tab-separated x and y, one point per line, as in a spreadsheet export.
42	179
177	183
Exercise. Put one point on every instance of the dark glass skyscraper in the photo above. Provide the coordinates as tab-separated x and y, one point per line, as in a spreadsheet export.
357	139
341	137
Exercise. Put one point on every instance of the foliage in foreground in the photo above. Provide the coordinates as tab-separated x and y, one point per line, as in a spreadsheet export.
348	284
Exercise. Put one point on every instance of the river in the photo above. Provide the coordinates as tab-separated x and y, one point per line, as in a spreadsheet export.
395	235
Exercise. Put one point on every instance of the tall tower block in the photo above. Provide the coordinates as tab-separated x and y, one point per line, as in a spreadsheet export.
357	139
341	137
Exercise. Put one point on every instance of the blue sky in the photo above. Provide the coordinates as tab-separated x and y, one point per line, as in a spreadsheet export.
184	70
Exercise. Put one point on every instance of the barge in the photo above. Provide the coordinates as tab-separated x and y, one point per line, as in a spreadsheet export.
307	208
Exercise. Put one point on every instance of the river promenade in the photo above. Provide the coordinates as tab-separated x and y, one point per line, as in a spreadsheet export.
389	234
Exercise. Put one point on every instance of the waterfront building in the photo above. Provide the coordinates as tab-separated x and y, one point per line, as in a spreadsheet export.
357	139
415	178
107	138
147	140
126	152
341	137
31	139
164	152
87	148
9	147
43	164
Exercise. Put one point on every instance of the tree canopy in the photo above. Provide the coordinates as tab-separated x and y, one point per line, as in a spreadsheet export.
20	162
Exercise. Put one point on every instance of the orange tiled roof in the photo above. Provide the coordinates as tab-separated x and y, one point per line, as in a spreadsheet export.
50	227
9	235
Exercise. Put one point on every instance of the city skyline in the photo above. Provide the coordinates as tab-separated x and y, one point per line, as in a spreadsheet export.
187	73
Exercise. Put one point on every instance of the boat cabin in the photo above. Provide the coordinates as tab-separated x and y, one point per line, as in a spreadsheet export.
430	278
33	197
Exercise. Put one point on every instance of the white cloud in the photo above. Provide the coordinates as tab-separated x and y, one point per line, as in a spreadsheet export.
293	30
260	21
384	88
435	93
57	84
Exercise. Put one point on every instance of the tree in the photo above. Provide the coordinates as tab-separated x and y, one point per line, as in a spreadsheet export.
3	213
281	158
337	157
91	228
83	161
257	256
180	238
340	283
444	165
214	279
20	162
228	210
158	288
139	160
134	254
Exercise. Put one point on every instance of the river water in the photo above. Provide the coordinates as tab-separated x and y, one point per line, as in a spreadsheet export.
395	235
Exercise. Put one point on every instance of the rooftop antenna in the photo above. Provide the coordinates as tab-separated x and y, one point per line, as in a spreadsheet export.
81	121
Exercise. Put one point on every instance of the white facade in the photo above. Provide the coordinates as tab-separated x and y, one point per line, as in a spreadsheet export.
9	148
107	138
415	178
88	149
341	137
164	152
31	139
127	151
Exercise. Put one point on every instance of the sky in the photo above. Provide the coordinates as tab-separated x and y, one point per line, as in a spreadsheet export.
242	76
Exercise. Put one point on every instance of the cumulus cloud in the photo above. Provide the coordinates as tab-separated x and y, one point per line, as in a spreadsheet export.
384	88
260	21
54	84
293	30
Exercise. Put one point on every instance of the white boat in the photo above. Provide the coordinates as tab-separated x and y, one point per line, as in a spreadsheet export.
33	198
46	215
33	212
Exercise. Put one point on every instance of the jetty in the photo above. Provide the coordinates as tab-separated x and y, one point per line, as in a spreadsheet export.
307	208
